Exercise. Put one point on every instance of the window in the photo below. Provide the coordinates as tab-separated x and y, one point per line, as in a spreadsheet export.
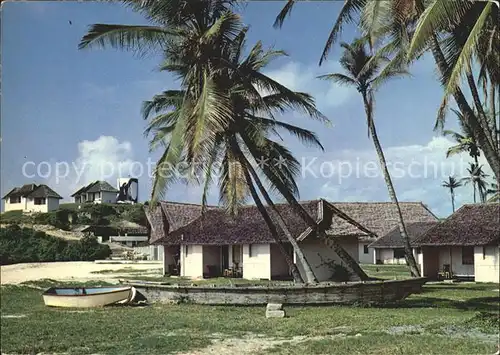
15	199
39	201
467	255
186	250
365	249
399	253
484	253
250	250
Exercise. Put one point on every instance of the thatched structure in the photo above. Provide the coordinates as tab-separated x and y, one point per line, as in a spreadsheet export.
393	240
471	225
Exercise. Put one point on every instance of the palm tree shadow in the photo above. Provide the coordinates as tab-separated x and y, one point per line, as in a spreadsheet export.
478	304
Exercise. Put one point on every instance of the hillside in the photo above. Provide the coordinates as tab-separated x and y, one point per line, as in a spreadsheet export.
71	218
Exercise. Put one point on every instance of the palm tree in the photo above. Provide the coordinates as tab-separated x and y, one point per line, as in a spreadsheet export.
455	32
367	73
465	141
477	178
452	184
219	105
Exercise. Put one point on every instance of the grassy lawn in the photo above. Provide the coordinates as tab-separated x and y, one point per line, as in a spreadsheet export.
392	272
444	319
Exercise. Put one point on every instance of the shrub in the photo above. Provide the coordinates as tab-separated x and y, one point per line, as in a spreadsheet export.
135	213
17	217
18	245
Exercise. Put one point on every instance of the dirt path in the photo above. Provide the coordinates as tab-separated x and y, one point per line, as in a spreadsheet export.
66	271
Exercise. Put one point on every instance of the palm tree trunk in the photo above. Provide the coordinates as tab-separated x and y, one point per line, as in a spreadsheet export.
492	156
494	115
392	193
474	187
310	277
452	201
299	210
272	228
483	119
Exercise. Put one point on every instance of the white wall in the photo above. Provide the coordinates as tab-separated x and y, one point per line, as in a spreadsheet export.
453	256
315	250
487	264
14	206
257	266
192	263
31	207
366	258
386	256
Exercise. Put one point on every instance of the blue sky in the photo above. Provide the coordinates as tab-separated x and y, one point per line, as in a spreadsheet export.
61	104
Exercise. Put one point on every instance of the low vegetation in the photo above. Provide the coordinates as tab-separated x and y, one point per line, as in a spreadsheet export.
69	215
444	319
23	245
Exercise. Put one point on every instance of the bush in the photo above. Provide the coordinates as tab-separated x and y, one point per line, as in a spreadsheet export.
135	213
22	245
17	217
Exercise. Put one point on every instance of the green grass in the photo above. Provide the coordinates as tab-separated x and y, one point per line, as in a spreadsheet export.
387	271
444	319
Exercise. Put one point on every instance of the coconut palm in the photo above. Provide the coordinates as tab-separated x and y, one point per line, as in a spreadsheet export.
477	178
248	112
465	141
367	73
452	184
451	30
200	42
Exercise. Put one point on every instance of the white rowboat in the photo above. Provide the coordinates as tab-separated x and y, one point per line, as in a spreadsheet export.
87	297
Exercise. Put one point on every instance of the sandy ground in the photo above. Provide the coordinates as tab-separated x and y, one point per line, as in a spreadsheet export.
66	271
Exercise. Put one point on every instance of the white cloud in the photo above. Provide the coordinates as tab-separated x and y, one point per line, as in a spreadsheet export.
300	77
417	172
105	158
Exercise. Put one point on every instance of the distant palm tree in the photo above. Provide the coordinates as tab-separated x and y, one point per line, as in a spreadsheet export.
477	178
452	184
367	73
465	140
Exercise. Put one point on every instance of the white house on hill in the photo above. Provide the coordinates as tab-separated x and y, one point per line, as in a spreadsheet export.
96	192
31	198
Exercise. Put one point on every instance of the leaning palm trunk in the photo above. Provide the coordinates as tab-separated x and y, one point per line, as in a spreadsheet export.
310	277
491	154
299	210
453	201
272	228
392	193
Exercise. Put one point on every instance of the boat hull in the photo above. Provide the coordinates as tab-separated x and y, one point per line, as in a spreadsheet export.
78	299
372	292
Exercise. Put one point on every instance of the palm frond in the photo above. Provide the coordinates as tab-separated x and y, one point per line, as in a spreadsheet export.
138	39
338	78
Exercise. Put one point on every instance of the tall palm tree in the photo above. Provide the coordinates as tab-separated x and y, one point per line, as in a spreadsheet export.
465	141
455	32
367	73
452	184
477	178
200	42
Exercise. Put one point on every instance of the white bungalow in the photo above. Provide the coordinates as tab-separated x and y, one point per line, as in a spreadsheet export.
217	245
